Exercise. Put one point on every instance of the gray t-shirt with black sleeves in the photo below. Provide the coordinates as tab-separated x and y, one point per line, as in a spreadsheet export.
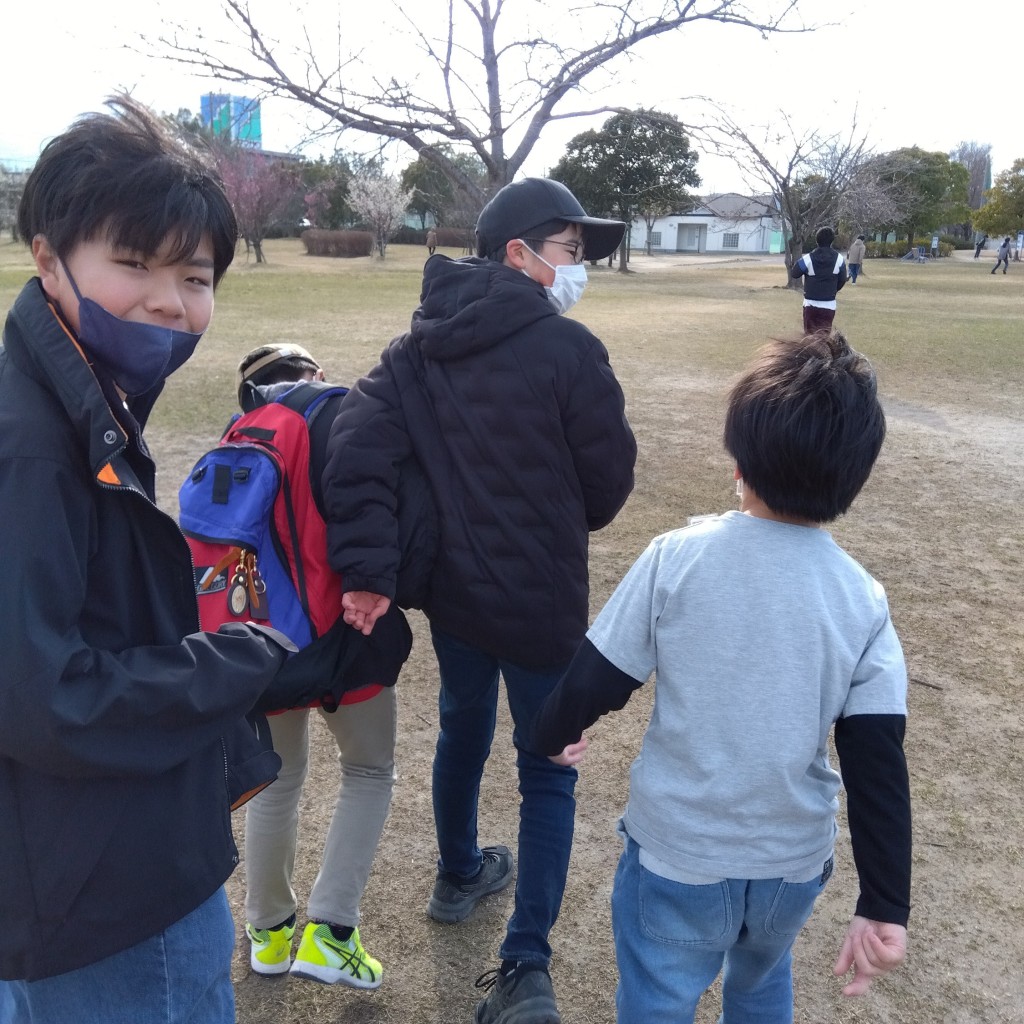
761	635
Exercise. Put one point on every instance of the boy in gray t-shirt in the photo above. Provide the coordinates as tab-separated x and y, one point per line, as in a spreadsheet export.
763	636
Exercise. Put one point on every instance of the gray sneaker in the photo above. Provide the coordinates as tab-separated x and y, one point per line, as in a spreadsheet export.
454	899
524	996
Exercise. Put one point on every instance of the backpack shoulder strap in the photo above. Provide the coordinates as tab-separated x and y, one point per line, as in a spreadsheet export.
309	397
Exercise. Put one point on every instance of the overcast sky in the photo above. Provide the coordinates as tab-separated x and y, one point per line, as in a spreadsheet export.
909	70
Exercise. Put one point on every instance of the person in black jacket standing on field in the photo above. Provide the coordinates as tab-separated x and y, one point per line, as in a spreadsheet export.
518	422
124	743
824	273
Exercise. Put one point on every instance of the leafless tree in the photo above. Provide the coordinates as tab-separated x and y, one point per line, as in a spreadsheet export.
977	158
481	84
813	177
12	184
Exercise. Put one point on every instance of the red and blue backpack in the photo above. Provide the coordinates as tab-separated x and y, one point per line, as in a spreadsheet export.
258	540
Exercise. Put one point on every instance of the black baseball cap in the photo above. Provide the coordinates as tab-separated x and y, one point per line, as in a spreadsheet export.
530	202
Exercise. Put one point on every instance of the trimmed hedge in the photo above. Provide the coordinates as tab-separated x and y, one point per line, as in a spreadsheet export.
897	250
447	238
344	244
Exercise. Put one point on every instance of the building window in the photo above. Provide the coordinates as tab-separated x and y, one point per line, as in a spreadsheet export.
731	241
656	238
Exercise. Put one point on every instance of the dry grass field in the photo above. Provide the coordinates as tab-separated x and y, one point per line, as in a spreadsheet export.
938	524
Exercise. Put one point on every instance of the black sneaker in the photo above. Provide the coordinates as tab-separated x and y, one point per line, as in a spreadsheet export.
523	996
454	899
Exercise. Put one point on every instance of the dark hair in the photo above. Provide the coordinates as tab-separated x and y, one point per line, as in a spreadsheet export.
805	426
126	175
825	236
541	231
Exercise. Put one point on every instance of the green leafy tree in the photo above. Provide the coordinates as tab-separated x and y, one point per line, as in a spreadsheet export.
435	194
432	192
1003	213
189	125
933	189
638	165
325	184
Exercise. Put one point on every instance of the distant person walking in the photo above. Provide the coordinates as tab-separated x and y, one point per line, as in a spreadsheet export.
431	241
855	257
980	246
1003	255
824	273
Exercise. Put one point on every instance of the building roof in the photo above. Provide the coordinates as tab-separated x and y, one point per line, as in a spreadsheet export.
733	206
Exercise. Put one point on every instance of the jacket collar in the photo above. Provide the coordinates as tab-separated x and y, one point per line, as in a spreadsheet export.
45	348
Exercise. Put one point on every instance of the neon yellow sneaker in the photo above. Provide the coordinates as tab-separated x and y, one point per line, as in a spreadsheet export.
271	951
322	957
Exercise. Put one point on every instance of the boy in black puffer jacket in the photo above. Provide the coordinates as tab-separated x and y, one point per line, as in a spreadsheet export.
518	422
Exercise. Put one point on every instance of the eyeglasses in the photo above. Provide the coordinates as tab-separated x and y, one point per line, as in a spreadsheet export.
575	249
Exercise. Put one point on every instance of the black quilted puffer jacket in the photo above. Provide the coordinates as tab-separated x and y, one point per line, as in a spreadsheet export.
518	422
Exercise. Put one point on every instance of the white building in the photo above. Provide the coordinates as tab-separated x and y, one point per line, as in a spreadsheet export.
723	223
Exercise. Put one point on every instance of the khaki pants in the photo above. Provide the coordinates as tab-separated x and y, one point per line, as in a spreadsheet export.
365	736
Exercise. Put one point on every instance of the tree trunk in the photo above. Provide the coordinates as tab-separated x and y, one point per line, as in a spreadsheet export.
624	253
257	248
794	250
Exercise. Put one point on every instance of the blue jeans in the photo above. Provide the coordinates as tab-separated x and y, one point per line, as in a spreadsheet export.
671	941
180	976
854	271
468	705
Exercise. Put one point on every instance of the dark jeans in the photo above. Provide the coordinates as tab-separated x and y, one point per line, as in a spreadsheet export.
468	705
854	271
818	319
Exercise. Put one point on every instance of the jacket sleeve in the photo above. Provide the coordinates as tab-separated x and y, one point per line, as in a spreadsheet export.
599	437
797	269
70	709
368	445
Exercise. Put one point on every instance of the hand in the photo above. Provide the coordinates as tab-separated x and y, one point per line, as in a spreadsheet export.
361	609
871	948
572	754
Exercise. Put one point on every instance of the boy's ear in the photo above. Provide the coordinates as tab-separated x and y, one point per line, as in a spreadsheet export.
514	253
47	264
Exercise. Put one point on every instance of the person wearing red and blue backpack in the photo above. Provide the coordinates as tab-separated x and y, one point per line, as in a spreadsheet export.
364	729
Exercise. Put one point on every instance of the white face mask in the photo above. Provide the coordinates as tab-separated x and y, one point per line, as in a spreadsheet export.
570	280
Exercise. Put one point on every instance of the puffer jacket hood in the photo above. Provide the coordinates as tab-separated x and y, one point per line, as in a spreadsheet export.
456	317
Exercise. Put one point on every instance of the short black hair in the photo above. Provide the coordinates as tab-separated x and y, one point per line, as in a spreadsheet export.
541	232
805	426
825	236
127	175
